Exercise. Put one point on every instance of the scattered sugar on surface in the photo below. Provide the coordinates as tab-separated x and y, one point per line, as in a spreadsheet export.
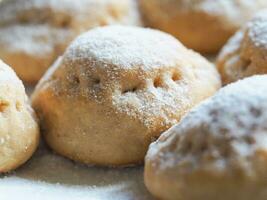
49	176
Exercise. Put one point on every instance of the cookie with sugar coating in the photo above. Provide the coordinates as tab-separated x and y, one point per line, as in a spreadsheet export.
203	25
33	33
115	90
246	52
217	151
19	131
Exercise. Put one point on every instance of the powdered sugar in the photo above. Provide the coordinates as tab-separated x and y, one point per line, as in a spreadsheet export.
8	76
229	12
245	54
37	31
49	176
166	73
126	47
81	11
257	29
237	12
38	40
229	125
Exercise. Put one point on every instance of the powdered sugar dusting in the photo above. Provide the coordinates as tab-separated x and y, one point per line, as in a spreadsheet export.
38	40
236	12
228	12
167	75
8	76
257	29
155	105
126	47
42	29
229	125
82	12
245	54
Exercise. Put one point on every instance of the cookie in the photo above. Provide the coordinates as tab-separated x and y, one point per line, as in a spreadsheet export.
246	52
19	131
217	151
115	90
203	25
33	33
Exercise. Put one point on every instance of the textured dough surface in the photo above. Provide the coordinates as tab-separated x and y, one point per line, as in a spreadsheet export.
19	131
115	90
203	25
246	52
33	33
220	147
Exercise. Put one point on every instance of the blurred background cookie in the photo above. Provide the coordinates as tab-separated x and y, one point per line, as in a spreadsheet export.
115	90
203	25
33	33
246	52
19	131
218	151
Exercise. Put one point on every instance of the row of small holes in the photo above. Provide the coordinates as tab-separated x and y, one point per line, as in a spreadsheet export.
4	105
157	82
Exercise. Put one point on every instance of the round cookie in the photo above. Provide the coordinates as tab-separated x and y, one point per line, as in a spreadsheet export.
218	151
19	131
115	90
203	25
246	52
33	33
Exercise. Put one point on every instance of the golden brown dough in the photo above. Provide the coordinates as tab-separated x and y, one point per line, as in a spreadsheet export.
19	131
33	33
203	25
115	90
218	151
246	52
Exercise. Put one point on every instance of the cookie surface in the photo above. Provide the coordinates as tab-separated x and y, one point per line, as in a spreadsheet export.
203	25
19	131
33	33
218	148
115	90
246	52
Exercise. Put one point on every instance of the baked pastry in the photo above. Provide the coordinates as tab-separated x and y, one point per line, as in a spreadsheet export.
218	151
19	131
33	33
115	90
203	25
246	52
